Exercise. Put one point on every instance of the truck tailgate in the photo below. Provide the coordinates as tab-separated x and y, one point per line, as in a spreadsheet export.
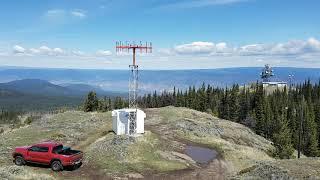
77	157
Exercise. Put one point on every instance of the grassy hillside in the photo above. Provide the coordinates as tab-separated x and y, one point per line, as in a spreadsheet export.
41	95
159	153
26	102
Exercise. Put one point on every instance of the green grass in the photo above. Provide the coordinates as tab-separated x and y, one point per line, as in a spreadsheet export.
141	156
65	127
237	144
81	131
151	160
90	132
246	170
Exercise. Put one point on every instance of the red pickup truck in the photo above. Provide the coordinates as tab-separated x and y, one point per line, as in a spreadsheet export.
49	153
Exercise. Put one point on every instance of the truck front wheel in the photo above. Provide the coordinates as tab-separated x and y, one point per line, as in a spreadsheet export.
19	161
56	166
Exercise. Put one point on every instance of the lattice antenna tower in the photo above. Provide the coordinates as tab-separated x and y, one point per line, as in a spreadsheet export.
134	68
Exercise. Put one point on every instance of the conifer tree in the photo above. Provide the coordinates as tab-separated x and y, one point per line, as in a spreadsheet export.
224	108
243	113
201	100
310	138
91	102
282	139
274	115
259	108
317	120
234	104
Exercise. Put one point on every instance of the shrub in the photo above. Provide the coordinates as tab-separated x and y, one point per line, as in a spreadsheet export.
247	170
91	103
58	136
28	120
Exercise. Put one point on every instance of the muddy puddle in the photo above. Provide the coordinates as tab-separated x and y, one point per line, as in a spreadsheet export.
200	154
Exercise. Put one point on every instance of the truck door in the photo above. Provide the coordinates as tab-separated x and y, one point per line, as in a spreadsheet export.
38	154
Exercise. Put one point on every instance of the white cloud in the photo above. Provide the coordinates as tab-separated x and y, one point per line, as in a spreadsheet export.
79	13
55	12
164	52
57	51
288	48
104	53
44	50
59	16
78	53
34	51
252	49
195	48
313	44
296	47
293	47
221	47
299	53
18	49
202	48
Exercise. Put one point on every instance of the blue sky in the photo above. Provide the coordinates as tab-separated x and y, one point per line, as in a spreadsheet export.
186	34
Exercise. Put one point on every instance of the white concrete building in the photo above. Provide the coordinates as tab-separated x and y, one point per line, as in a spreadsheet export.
128	121
271	87
274	84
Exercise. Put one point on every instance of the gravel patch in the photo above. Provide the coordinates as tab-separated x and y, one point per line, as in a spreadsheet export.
199	129
20	172
264	170
116	145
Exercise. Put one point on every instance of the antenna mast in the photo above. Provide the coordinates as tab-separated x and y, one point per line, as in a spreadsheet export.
267	73
134	69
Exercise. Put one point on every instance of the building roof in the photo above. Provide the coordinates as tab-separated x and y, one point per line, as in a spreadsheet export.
275	82
127	110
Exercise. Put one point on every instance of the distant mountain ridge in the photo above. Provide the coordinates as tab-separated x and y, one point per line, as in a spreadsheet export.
36	94
44	88
83	88
151	80
36	87
5	93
